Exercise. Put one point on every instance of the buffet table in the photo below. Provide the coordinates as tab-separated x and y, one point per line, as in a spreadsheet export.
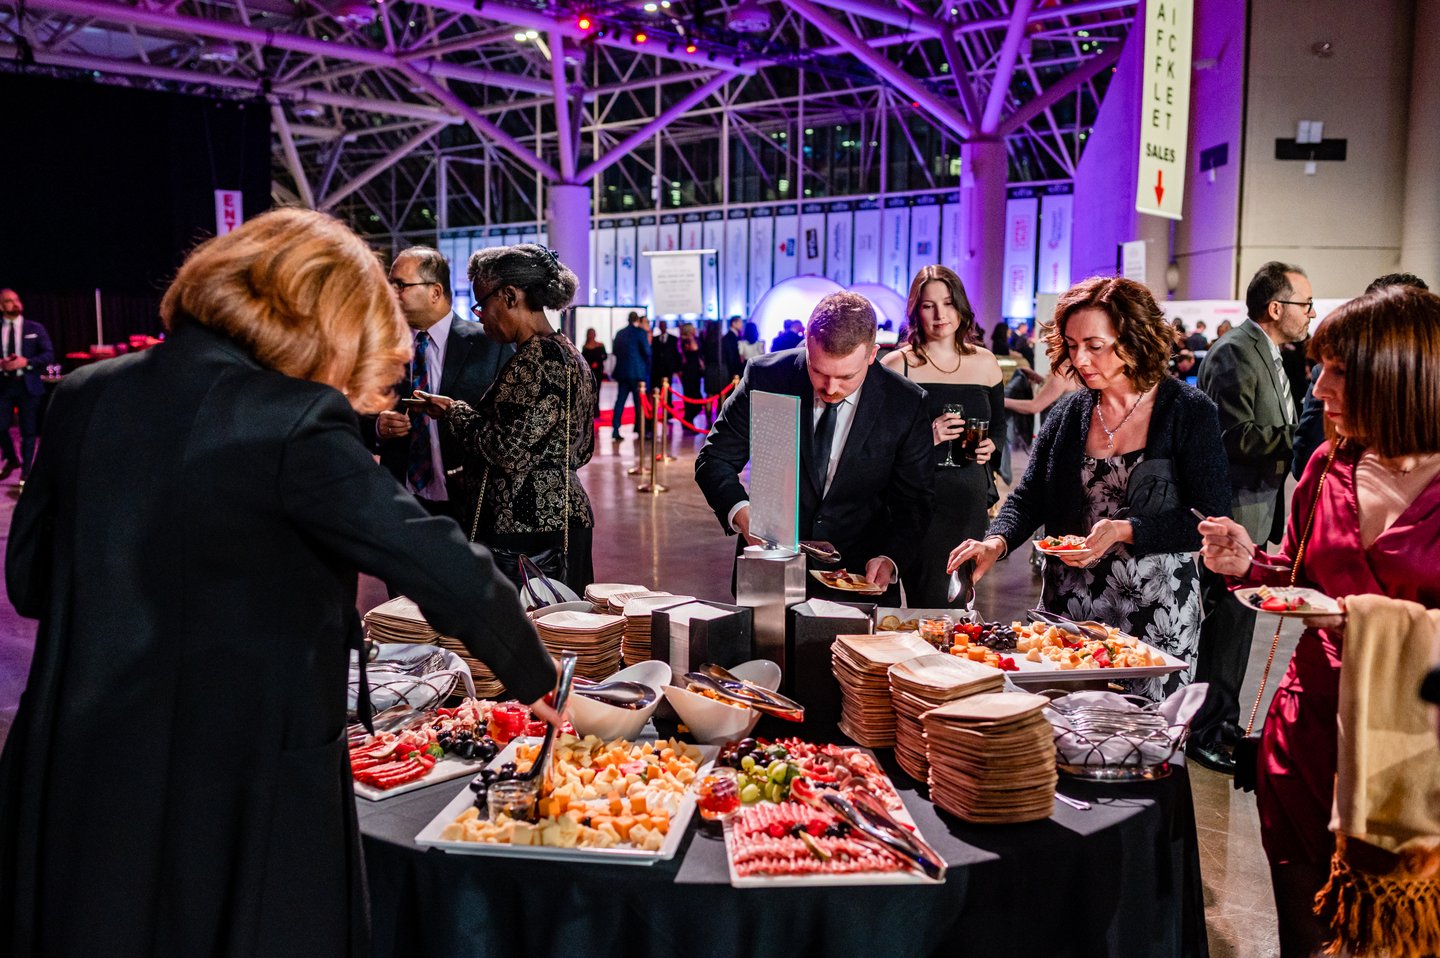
1122	879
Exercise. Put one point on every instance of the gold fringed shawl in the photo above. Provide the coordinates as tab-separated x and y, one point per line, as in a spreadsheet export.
1383	897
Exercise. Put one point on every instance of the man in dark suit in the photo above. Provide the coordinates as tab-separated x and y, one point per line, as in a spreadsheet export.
631	372
1244	374
791	336
25	351
453	357
730	347
664	354
866	450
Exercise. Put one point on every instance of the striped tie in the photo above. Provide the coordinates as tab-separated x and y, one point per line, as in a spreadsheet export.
421	470
1287	398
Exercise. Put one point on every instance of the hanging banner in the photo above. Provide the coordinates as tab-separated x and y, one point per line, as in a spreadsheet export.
1056	221
1021	214
866	232
737	236
762	258
712	235
838	223
924	235
645	241
229	210
604	275
668	238
895	245
950	232
625	257
786	243
812	240
675	282
1165	107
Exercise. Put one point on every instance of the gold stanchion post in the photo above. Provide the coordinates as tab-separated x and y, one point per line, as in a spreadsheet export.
662	425
653	486
640	467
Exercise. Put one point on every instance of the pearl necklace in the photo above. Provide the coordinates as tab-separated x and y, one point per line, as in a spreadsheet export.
1105	427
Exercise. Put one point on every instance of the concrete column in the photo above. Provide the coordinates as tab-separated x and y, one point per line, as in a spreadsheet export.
567	216
1420	229
984	170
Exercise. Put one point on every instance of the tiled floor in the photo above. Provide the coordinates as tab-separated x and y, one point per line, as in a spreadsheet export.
673	542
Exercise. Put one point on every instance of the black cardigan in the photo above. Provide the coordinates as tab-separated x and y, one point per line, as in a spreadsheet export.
1184	427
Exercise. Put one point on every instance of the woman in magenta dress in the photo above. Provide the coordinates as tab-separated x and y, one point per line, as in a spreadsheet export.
1376	529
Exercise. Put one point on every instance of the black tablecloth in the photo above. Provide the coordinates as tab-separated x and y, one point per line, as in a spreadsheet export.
1121	879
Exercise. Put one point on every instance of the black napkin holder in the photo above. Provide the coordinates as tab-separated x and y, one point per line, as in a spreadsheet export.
726	640
809	677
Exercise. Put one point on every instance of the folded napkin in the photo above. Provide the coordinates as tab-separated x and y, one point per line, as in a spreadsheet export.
1102	749
1383	896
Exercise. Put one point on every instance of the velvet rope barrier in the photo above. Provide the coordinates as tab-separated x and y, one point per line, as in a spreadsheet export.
677	410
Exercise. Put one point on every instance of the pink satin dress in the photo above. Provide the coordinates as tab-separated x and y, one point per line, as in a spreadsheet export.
1298	744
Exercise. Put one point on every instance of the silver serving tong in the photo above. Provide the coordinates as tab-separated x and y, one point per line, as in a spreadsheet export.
821	551
743	687
541	768
1069	625
625	695
397	718
962	584
743	693
892	836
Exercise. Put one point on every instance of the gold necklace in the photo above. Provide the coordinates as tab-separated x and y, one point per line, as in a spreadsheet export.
949	372
1105	427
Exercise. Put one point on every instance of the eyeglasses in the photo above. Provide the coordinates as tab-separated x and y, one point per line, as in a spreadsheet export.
479	308
401	286
1308	304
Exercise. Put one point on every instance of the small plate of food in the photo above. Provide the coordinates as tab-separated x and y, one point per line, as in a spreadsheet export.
1060	545
1288	600
847	581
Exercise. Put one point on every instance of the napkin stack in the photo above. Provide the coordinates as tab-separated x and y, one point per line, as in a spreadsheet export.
861	664
919	685
400	620
992	758
638	612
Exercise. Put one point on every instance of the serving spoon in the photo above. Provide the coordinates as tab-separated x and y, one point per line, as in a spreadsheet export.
792	712
745	687
1084	629
621	694
541	767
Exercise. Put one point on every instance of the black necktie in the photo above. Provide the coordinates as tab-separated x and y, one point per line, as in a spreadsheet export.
824	439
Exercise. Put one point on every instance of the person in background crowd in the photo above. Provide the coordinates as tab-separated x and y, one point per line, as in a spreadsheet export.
750	345
1122	462
1222	329
730	347
1197	342
25	351
865	446
594	353
631	373
692	362
529	435
1310	432
453	356
1376	529
1182	365
1243	374
1000	340
664	355
1023	343
201	510
940	358
792	335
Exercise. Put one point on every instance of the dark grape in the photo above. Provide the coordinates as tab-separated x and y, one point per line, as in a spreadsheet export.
464	735
466	750
488	749
507	767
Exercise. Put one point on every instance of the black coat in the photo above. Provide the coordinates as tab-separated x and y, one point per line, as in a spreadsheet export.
472	361
878	502
1183	428
34	346
176	781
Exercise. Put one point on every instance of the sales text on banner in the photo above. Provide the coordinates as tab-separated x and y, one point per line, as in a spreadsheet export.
1165	107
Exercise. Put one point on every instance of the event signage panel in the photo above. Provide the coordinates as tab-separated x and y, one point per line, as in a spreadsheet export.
1165	107
229	210
1020	219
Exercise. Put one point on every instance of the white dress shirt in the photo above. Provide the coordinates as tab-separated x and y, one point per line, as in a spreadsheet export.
13	331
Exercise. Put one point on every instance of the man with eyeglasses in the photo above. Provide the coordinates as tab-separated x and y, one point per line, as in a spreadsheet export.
453	357
1245	376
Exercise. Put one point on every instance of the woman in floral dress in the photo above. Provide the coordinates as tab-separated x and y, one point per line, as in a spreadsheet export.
1121	462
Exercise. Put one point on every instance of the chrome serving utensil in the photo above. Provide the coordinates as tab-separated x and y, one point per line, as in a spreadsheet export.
625	695
820	551
1069	625
731	680
962	584
907	851
872	808
541	768
743	693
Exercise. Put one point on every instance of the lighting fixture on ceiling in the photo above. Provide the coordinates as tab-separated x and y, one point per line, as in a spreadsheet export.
748	17
356	13
307	111
218	51
583	22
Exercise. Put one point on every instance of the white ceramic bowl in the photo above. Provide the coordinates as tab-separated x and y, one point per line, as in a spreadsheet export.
561	607
609	722
714	722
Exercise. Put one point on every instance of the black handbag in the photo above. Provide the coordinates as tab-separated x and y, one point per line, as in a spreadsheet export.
1152	488
1246	751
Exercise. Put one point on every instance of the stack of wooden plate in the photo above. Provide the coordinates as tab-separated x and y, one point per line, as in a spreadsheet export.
400	620
992	758
594	638
919	685
861	664
598	593
638	611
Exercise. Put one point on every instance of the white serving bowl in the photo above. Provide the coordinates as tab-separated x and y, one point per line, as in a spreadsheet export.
561	607
714	722
610	722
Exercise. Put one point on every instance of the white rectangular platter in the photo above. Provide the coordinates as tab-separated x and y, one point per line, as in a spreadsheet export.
446	770
429	836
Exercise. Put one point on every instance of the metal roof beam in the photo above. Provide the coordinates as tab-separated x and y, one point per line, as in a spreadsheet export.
389	160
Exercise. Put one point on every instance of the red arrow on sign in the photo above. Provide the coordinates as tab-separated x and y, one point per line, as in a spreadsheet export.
1159	187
